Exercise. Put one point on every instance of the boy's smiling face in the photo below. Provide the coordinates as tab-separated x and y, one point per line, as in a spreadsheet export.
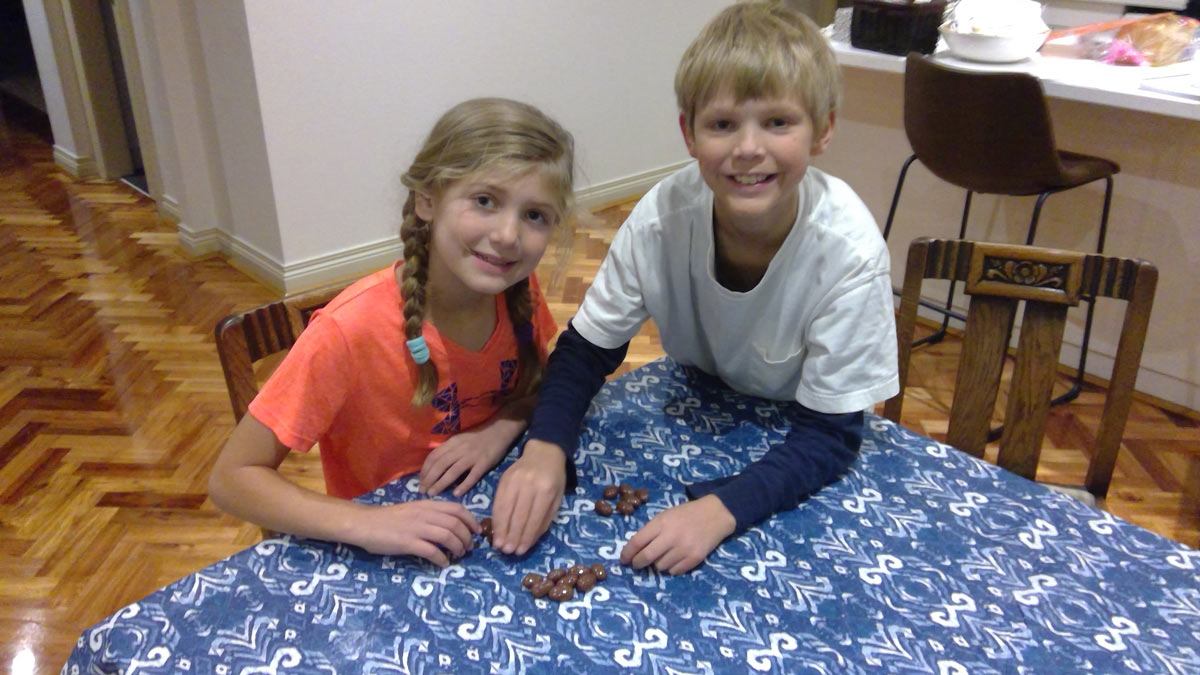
753	154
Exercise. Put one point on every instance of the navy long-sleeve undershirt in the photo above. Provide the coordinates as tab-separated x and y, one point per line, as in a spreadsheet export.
818	449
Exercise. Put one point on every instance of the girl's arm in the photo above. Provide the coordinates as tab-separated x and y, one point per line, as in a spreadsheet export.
472	453
246	483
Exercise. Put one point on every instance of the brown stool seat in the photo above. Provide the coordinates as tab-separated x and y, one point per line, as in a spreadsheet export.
991	132
1077	169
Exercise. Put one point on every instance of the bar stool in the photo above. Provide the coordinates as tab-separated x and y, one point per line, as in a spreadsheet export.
990	132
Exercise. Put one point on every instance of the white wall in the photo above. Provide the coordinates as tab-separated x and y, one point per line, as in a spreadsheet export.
183	108
161	129
238	123
348	90
65	106
43	53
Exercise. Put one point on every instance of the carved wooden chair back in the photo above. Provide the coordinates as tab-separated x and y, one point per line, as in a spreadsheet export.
250	336
997	277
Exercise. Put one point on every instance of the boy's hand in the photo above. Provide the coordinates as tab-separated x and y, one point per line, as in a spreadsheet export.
472	452
528	497
429	529
681	537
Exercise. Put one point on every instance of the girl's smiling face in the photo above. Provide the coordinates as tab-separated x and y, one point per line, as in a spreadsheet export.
489	231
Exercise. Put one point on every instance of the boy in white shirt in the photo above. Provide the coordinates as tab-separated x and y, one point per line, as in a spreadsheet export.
755	268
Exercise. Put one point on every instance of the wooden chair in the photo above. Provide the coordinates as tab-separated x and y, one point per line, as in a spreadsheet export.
1049	281
246	338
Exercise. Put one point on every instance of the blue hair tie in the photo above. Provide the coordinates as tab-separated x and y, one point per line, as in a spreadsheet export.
524	333
418	349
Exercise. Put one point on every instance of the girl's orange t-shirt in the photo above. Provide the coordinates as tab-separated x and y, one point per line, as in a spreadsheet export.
348	384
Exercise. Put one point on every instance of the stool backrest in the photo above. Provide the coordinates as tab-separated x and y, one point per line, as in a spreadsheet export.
997	277
984	131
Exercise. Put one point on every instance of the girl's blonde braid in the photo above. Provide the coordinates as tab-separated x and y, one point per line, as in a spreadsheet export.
414	233
520	314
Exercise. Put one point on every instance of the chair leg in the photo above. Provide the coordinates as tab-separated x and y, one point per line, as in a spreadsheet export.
887	227
1037	213
947	311
1077	385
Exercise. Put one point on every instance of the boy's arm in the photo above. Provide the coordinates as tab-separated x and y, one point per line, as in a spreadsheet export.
574	373
530	490
819	449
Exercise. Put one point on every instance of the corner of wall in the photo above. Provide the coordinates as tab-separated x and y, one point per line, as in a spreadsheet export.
169	206
79	166
199	243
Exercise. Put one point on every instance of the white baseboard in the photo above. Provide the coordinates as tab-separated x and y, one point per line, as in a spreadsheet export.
199	243
79	166
169	207
291	277
613	190
345	264
1165	386
365	258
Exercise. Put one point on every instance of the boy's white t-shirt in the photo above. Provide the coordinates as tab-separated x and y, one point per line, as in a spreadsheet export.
818	328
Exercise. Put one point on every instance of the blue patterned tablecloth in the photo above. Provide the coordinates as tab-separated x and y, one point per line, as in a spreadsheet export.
921	560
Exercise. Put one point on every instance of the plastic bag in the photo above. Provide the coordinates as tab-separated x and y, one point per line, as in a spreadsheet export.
1161	39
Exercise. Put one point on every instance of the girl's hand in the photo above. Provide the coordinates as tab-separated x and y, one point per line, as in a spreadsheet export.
681	537
528	497
472	452
427	528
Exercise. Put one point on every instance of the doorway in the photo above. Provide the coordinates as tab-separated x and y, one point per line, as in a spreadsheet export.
136	178
21	99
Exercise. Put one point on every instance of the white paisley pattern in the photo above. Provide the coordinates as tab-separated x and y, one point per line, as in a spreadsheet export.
921	560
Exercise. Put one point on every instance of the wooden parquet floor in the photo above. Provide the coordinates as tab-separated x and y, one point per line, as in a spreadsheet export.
113	406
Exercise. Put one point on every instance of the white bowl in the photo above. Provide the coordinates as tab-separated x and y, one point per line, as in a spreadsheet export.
993	48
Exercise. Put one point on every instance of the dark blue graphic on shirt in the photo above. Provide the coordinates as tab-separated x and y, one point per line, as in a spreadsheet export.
447	401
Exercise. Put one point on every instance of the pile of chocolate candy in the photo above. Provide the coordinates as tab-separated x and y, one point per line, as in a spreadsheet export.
628	498
560	584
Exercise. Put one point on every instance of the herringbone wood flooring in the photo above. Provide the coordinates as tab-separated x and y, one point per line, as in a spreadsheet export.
113	406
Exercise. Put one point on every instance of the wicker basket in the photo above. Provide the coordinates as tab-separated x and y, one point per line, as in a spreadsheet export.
896	26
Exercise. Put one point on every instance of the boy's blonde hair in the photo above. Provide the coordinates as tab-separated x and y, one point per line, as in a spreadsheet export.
482	135
760	50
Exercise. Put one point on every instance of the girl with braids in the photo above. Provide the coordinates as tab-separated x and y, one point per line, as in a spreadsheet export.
427	366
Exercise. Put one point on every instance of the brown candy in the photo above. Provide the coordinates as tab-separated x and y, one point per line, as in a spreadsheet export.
560	584
599	571
542	588
625	495
485	529
562	593
586	581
